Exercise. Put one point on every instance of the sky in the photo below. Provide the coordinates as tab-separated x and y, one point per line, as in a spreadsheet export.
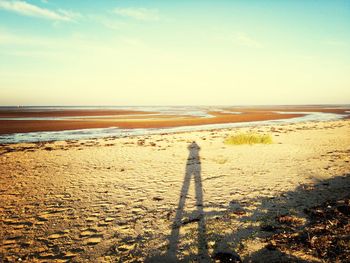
181	52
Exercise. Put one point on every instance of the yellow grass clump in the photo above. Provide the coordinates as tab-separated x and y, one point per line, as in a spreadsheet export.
248	138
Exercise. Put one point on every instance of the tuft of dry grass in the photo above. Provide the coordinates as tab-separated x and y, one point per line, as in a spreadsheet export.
248	138
220	160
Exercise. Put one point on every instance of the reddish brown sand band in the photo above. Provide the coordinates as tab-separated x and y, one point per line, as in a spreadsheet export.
9	126
66	113
294	109
129	120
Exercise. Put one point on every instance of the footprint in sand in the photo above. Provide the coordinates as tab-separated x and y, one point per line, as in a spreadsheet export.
137	210
56	235
91	219
94	239
109	219
88	232
42	218
9	242
103	224
70	255
17	224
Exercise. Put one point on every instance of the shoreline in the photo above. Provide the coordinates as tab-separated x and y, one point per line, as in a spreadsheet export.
262	128
114	133
111	132
101	119
23	126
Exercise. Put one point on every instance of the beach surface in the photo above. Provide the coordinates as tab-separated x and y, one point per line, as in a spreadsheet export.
161	198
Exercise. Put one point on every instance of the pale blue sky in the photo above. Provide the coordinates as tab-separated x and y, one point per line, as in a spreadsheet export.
174	52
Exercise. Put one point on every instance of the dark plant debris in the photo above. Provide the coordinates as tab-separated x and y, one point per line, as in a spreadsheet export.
326	236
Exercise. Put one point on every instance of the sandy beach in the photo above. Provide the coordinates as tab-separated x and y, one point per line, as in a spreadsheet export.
160	198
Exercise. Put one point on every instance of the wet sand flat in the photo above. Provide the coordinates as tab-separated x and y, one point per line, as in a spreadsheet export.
185	196
129	119
23	112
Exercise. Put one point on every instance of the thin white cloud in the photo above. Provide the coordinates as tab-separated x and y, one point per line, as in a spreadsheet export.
138	13
236	38
27	9
335	43
132	41
69	14
106	21
245	40
23	45
8	39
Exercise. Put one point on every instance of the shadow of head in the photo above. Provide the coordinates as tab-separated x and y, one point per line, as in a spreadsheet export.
193	149
193	146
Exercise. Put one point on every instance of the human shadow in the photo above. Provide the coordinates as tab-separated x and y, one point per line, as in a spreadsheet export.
197	215
193	171
245	221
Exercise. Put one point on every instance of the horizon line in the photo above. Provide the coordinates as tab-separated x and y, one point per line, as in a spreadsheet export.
178	105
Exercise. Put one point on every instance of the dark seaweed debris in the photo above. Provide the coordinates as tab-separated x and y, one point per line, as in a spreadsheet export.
326	236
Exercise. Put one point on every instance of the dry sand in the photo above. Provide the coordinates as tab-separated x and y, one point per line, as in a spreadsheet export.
159	198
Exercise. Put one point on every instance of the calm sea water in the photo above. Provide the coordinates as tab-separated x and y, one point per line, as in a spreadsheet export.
164	110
